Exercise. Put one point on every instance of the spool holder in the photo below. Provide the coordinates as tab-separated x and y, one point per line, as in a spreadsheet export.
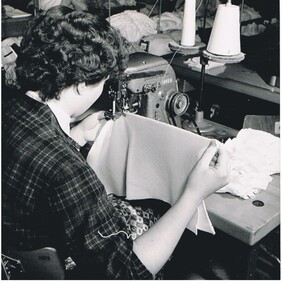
223	58
203	125
187	50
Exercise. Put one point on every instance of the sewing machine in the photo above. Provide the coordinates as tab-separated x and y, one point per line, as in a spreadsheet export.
149	88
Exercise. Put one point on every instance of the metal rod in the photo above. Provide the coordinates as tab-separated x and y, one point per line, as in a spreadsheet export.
206	2
159	22
202	82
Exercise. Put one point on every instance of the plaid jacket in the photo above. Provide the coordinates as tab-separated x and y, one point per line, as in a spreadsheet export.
51	197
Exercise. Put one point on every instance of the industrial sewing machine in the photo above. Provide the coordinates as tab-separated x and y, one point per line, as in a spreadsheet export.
149	88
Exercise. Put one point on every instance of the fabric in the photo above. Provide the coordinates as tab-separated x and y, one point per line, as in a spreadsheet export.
46	4
169	20
133	25
140	158
117	3
8	55
75	4
51	197
8	58
255	156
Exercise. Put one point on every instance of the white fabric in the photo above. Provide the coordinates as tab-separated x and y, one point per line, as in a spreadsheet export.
46	4
141	158
8	55
12	12
133	25
169	20
255	156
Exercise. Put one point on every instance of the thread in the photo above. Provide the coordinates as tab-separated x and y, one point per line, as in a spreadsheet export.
199	6
225	34
149	15
151	11
168	65
189	23
115	234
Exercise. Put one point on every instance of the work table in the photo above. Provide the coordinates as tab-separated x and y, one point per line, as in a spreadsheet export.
234	77
241	218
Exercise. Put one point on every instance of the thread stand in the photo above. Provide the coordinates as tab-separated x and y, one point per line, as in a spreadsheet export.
188	50
224	58
201	124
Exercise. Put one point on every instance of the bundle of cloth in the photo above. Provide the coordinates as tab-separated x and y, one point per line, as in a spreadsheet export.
136	27
133	25
255	157
83	4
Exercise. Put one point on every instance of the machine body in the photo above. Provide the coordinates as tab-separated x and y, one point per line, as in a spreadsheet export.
149	88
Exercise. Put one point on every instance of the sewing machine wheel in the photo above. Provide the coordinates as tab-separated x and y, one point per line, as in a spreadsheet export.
178	104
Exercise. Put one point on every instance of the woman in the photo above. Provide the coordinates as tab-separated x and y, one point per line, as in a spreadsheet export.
50	195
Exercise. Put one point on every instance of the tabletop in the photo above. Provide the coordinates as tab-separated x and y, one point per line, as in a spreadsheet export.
235	77
241	218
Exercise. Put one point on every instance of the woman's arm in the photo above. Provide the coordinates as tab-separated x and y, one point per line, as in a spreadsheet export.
210	173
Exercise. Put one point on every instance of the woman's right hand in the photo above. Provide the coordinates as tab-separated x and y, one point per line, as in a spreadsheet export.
211	172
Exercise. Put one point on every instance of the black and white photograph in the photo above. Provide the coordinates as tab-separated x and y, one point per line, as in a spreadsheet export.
140	140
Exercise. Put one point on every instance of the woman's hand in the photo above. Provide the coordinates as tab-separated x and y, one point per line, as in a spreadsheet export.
211	172
86	130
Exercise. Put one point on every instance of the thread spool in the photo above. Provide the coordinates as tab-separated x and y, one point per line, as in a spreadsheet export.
189	23
225	34
188	44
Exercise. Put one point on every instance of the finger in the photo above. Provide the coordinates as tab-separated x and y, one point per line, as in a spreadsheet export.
223	164
91	134
223	160
101	115
214	159
209	153
212	164
92	120
96	116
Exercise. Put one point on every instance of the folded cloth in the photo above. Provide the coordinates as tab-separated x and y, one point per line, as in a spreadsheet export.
133	25
8	54
11	12
169	20
140	158
255	156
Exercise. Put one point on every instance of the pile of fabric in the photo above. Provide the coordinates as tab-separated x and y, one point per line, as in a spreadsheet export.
255	157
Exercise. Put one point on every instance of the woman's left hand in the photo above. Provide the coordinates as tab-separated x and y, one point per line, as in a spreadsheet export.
86	130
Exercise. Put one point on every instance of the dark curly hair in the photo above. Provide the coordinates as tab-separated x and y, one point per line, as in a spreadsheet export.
63	47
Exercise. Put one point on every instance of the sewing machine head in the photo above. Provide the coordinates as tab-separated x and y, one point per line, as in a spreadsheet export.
149	88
